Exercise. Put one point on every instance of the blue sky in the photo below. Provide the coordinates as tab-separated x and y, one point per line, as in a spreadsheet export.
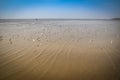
82	9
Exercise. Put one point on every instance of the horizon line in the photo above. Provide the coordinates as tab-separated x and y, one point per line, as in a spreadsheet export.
58	18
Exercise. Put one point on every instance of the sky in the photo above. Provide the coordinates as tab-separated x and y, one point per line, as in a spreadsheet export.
75	9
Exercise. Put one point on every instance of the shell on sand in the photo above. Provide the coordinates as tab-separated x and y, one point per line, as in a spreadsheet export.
33	40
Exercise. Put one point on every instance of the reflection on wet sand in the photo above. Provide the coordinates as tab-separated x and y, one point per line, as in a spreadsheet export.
60	50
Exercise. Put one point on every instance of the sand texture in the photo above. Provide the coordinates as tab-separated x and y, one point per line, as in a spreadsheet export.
60	50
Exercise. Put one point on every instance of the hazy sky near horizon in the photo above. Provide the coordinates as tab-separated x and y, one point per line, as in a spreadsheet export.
59	9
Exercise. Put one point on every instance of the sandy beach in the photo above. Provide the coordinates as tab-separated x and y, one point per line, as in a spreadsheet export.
60	50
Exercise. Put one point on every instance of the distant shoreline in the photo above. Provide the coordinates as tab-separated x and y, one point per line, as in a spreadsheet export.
22	20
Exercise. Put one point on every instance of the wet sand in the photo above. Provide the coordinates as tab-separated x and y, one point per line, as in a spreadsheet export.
60	50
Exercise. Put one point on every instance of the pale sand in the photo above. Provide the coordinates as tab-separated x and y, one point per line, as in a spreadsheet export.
60	50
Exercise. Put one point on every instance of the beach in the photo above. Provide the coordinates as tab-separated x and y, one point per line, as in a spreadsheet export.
60	50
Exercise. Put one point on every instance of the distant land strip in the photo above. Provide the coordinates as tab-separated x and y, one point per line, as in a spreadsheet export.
53	19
